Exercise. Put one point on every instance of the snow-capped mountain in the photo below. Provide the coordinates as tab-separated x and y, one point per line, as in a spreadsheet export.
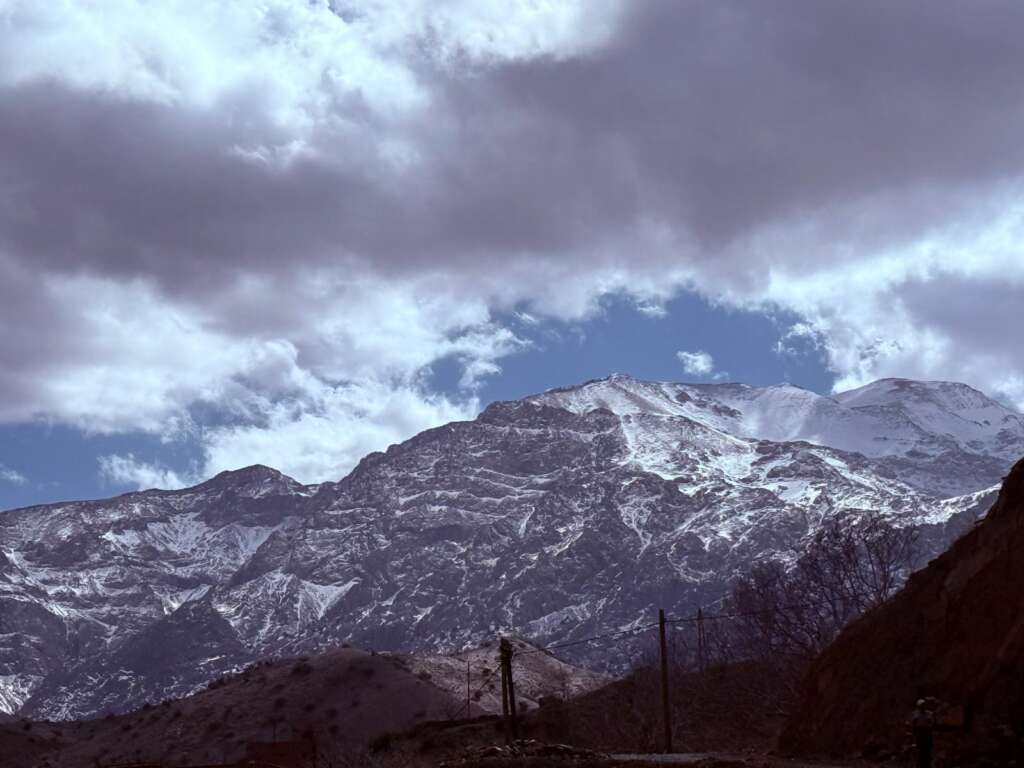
943	438
571	512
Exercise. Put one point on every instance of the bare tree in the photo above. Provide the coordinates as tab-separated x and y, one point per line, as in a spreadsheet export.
788	612
733	673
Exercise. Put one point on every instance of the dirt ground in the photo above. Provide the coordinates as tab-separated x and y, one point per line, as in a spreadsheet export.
650	761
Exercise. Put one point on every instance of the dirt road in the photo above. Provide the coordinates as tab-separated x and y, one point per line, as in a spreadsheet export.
724	760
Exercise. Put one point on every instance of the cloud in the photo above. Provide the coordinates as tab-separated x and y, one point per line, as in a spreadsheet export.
700	364
8	475
258	210
324	433
126	470
696	363
798	339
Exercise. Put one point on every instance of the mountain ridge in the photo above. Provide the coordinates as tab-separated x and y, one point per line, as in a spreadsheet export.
565	513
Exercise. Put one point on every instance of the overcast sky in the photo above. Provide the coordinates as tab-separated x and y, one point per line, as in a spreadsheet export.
295	231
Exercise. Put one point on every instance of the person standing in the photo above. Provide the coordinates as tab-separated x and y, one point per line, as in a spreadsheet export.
922	722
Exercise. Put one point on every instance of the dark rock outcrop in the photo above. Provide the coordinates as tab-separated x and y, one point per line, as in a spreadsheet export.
955	632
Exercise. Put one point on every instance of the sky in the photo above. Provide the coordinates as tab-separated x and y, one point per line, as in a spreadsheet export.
292	232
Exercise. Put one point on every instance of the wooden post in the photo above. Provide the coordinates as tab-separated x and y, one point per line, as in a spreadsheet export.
504	695
510	686
467	689
513	712
666	707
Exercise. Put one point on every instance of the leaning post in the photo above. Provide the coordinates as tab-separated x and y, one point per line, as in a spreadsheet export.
506	661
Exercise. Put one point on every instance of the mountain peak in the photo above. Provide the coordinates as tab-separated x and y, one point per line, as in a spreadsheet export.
251	472
920	397
897	386
254	480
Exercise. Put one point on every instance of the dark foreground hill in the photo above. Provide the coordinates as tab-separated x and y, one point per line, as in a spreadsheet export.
955	632
334	706
340	701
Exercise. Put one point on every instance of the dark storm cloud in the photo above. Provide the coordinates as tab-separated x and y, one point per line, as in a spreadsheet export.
120	187
30	339
710	119
722	117
978	315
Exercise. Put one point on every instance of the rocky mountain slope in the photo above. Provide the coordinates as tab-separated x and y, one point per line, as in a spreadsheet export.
955	632
572	512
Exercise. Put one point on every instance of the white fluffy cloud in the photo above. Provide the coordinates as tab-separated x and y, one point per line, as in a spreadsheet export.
696	363
301	58
127	470
940	307
322	434
317	435
345	380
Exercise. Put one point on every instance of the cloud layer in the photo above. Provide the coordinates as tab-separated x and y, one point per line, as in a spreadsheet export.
260	225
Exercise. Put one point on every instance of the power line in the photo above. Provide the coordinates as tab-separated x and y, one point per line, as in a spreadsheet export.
479	691
616	635
623	634
745	614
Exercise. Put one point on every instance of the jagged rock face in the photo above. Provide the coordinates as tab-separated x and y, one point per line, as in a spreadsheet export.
575	511
955	632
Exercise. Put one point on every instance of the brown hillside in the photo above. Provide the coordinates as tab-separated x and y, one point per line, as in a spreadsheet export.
955	632
340	700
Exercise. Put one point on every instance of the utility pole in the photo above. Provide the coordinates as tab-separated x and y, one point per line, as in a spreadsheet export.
467	689
504	689
666	707
506	665
702	644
